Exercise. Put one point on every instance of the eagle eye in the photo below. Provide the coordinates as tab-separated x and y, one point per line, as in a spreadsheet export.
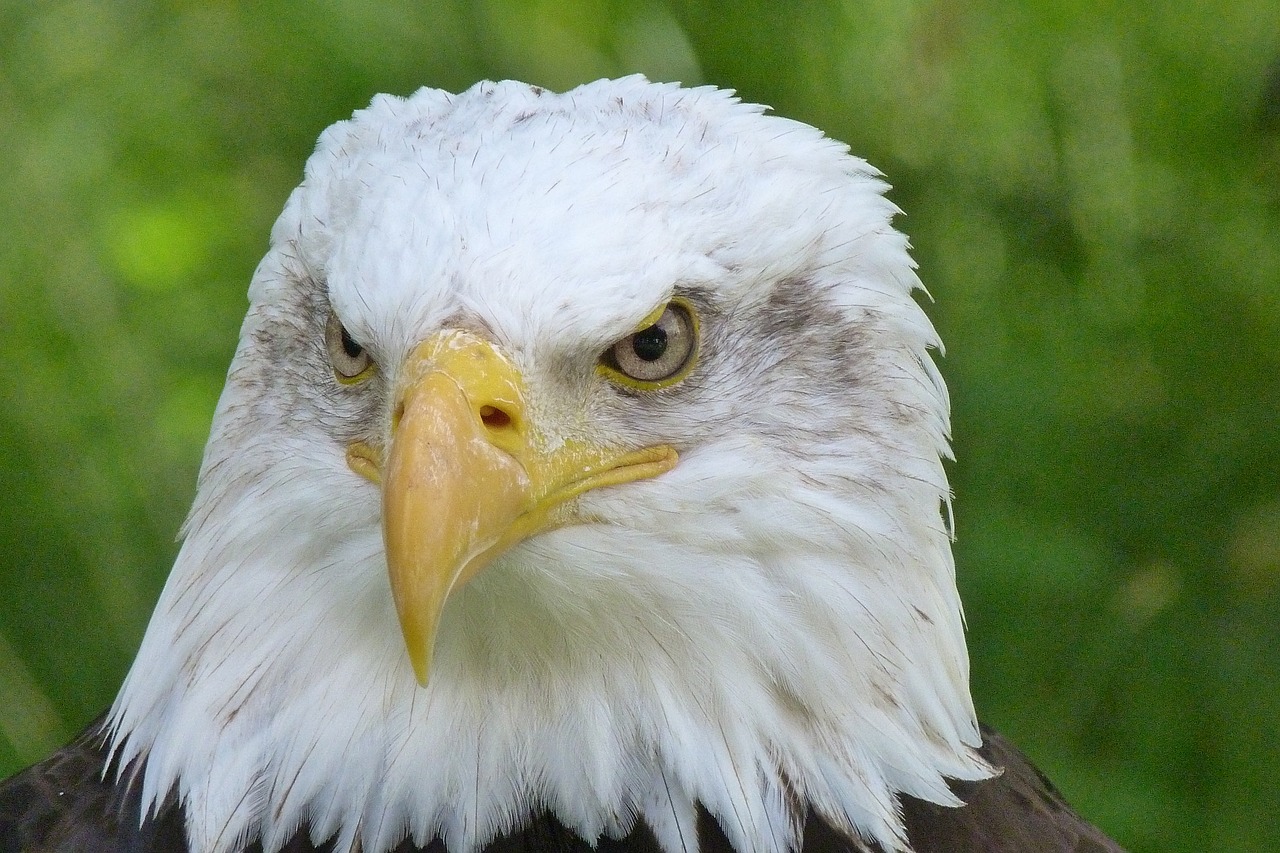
658	354
351	362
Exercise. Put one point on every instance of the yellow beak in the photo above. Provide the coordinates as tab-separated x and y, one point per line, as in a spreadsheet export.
466	476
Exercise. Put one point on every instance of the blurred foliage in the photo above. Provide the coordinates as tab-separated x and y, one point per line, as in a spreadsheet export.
1094	194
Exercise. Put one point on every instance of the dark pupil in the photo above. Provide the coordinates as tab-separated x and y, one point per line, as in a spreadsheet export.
649	344
350	347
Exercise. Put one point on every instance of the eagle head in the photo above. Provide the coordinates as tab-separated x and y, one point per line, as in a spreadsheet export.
582	454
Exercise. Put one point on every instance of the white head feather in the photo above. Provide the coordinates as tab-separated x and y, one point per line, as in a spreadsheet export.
771	625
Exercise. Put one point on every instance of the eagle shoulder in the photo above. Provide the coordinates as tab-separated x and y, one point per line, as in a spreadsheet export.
68	804
1020	809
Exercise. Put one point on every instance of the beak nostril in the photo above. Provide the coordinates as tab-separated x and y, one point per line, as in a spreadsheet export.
494	418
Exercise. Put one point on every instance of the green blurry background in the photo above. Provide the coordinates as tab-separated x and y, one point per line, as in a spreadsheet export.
1093	190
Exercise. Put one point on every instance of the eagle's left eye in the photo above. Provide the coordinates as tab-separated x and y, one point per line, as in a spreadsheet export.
351	362
657	355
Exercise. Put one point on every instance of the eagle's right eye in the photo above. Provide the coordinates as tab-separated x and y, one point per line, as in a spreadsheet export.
351	362
660	354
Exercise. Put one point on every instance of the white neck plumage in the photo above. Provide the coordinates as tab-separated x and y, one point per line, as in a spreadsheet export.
755	654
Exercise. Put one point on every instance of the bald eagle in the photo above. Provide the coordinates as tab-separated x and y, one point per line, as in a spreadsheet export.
577	484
